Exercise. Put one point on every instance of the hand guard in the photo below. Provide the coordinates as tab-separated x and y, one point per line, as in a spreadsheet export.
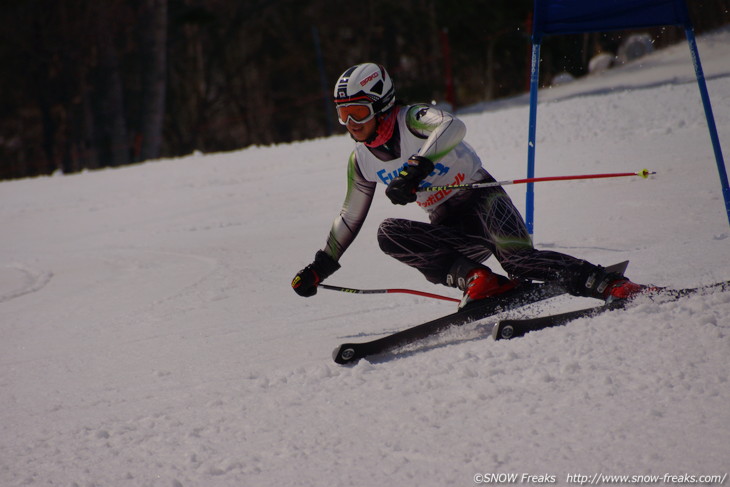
402	189
306	281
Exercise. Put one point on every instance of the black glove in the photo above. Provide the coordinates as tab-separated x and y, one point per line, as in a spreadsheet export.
402	189
306	281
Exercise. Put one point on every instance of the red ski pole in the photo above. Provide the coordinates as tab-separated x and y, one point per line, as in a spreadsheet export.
644	173
387	291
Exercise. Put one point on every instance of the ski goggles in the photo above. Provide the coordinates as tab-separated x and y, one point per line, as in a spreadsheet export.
357	112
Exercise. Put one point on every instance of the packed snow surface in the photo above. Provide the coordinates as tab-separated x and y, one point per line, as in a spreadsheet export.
150	337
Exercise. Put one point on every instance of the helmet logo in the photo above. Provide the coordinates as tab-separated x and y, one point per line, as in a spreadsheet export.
369	79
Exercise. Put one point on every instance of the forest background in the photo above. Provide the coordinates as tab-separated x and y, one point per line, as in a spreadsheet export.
88	84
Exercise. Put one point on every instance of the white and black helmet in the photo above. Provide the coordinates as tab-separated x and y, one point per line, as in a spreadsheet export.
366	84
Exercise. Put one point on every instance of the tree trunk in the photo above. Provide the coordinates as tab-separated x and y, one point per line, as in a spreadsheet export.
154	71
110	87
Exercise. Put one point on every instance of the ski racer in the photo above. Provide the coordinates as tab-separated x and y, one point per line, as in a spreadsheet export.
410	147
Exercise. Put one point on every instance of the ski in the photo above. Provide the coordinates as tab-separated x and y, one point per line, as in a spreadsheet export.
523	295
514	328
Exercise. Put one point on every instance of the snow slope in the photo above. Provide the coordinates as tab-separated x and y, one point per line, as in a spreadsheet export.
150	337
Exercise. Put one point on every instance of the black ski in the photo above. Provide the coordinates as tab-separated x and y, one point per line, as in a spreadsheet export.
527	293
513	328
507	329
522	296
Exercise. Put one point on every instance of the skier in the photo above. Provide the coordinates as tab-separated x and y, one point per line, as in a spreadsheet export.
410	147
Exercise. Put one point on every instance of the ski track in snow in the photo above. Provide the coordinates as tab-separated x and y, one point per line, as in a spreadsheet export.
19	279
150	336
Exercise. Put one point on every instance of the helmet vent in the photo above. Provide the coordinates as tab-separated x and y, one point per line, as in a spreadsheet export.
377	87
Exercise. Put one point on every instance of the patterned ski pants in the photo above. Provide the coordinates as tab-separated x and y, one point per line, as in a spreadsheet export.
483	223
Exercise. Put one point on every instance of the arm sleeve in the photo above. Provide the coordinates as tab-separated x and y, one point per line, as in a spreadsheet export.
354	210
442	130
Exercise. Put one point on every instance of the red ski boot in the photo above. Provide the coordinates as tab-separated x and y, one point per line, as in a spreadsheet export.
482	283
597	282
624	289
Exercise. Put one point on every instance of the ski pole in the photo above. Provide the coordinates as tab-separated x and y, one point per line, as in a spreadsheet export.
644	173
387	291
